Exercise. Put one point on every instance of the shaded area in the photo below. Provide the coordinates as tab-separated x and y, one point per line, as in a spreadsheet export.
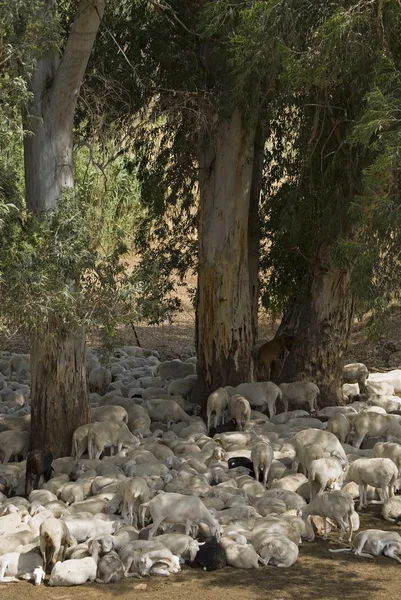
317	575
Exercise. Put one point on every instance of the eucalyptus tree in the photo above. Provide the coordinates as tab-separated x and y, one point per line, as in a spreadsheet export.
58	387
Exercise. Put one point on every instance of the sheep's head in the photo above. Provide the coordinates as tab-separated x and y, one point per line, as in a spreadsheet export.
38	575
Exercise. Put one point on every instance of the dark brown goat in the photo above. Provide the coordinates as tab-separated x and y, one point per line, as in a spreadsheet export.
272	351
38	463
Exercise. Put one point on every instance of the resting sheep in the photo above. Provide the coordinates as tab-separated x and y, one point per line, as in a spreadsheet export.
374	424
27	565
373	542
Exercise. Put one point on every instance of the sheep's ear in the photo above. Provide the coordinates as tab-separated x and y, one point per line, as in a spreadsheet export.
299	512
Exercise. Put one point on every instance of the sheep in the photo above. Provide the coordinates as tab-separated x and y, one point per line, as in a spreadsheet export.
26	565
217	403
139	421
278	550
240	410
340	426
80	440
166	411
14	443
19	363
99	380
262	455
272	351
322	473
388	450
54	539
175	369
391	510
132	491
379	388
326	440
110	413
374	424
336	505
177	508
393	377
75	571
112	434
38	464
110	569
182	387
377	472
83	527
356	373
389	403
262	394
211	555
300	392
239	553
180	545
373	542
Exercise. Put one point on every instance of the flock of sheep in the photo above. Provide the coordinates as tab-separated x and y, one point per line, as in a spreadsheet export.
151	486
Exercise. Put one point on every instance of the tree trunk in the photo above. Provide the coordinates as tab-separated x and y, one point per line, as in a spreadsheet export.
223	315
254	229
317	353
59	390
59	395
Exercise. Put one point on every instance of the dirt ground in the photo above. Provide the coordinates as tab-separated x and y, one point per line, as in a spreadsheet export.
317	575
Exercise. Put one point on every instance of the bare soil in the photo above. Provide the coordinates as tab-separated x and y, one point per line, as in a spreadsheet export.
317	575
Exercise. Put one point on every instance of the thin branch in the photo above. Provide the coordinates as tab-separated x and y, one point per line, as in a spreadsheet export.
166	8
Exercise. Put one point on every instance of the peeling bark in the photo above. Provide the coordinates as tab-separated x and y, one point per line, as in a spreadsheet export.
59	395
223	315
317	353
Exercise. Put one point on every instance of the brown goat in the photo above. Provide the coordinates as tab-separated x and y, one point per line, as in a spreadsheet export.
272	351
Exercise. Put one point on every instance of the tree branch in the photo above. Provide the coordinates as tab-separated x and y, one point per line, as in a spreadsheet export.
71	71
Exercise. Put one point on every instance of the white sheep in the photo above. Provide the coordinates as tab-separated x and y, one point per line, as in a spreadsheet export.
165	411
139	421
374	424
391	510
380	388
278	550
75	571
323	473
393	377
239	553
110	413
19	363
356	373
263	394
239	409
175	369
180	545
373	542
80	440
14	443
26	565
262	455
113	434
182	387
326	440
388	450
300	392
54	540
377	472
176	508
340	426
217	403
336	505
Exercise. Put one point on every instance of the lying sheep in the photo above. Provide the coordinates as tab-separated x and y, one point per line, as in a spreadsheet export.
373	542
278	550
356	373
239	409
165	411
300	392
336	505
110	413
262	456
391	510
110	569
14	443
217	403
180	545
75	571
377	472
239	553
175	369
139	421
379	388
16	565
176	508
182	387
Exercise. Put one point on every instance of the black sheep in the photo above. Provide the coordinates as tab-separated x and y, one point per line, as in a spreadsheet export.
211	555
38	463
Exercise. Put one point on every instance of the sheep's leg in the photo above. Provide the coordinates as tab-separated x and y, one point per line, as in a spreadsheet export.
188	525
350	528
155	525
112	450
265	474
324	527
390	551
358	440
208	422
365	494
361	493
342	525
3	568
